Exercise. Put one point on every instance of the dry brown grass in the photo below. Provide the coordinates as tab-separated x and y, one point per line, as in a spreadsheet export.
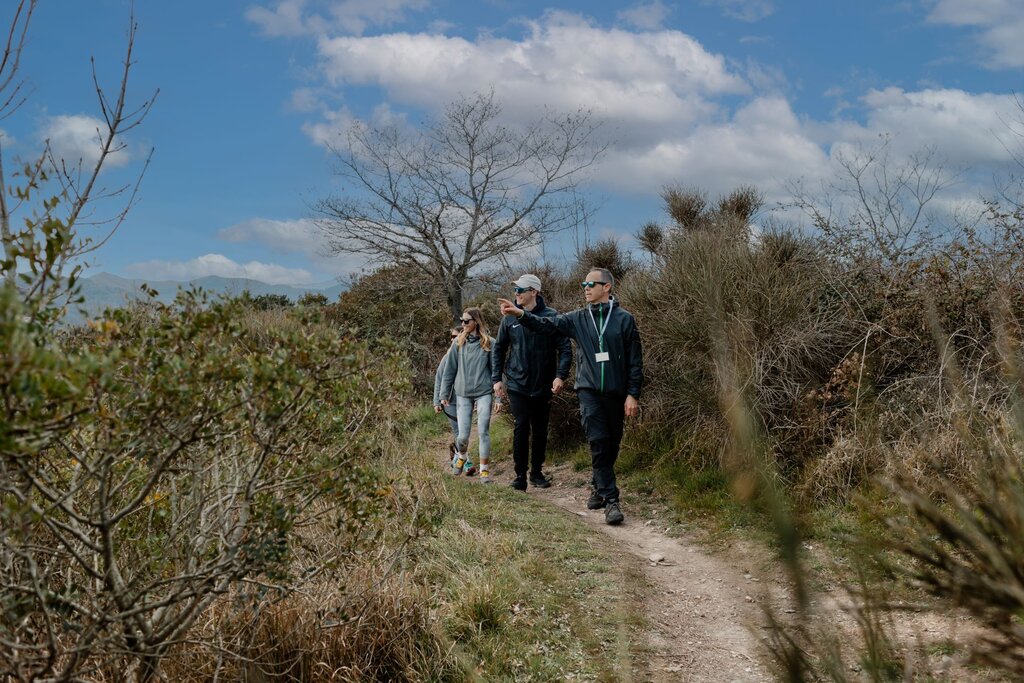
374	631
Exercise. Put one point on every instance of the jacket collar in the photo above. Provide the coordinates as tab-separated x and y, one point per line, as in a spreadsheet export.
612	303
539	307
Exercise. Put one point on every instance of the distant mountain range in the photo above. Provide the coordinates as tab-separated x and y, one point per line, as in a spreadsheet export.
104	290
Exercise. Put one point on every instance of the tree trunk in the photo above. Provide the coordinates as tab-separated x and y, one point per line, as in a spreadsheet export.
455	302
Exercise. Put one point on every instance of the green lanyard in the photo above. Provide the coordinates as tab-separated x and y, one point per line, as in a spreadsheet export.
600	341
600	332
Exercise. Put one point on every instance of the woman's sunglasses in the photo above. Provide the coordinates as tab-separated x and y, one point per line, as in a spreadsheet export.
466	321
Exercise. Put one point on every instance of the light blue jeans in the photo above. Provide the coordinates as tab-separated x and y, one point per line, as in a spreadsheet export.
464	407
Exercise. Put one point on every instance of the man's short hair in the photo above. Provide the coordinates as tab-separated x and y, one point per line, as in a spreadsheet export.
606	275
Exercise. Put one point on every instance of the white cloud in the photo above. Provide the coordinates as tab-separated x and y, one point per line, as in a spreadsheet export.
964	128
670	106
218	264
643	84
762	145
999	25
285	19
297	236
79	137
304	101
744	10
647	15
291	18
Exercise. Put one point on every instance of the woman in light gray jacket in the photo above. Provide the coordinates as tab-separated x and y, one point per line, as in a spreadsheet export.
467	370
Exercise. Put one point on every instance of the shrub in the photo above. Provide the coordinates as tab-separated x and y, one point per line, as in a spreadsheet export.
766	298
158	459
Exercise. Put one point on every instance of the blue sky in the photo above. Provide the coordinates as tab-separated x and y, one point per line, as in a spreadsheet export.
710	93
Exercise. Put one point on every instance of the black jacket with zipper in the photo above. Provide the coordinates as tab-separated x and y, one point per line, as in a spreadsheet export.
533	360
622	373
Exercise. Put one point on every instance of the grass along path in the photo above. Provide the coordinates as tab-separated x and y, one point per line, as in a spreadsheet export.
700	608
524	595
535	587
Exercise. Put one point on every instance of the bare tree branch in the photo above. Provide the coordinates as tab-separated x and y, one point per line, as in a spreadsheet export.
465	191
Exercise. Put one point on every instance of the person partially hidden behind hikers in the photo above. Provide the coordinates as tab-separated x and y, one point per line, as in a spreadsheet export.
609	375
534	367
449	410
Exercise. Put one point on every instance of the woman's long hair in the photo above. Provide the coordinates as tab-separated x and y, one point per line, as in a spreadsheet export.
480	331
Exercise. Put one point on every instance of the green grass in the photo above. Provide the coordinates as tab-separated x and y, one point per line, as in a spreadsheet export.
524	591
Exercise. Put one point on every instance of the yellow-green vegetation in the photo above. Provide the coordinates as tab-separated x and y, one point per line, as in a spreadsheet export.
523	591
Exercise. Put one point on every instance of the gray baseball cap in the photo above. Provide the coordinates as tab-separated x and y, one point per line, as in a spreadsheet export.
528	280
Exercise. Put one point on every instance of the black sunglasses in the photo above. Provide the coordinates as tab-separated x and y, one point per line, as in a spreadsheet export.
587	284
520	290
466	321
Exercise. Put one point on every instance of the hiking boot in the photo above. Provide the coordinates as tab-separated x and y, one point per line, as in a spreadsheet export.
469	471
539	481
595	502
519	483
612	513
485	477
457	464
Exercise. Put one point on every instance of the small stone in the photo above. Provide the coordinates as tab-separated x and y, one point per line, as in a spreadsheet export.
656	557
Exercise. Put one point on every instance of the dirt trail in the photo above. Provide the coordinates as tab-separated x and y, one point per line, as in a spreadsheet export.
703	609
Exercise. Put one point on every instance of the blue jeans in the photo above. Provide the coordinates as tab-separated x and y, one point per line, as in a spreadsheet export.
483	423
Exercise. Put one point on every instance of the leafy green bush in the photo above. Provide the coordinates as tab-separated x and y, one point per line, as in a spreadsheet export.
160	458
393	304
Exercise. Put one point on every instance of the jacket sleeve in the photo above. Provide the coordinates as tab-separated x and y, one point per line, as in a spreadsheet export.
564	358
634	360
498	349
551	325
451	368
438	377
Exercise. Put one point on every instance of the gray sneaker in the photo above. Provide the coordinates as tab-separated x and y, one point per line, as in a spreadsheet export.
612	513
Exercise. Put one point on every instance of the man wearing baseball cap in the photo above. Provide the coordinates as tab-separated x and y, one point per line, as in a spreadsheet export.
528	368
609	375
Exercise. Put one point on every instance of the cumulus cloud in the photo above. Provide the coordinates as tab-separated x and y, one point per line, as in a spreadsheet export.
78	137
642	84
999	25
291	18
965	128
674	112
218	264
744	10
648	15
296	236
763	144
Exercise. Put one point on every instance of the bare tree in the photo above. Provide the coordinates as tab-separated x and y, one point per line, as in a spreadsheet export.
464	191
878	205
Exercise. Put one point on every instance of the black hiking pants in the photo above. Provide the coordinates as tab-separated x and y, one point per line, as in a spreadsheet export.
530	436
602	416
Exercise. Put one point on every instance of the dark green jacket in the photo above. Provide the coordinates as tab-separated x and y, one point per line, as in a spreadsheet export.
528	360
623	372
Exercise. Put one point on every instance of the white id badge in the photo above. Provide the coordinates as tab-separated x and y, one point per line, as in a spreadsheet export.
602	357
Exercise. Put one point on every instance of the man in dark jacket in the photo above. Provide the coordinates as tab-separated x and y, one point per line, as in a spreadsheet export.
535	367
609	375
